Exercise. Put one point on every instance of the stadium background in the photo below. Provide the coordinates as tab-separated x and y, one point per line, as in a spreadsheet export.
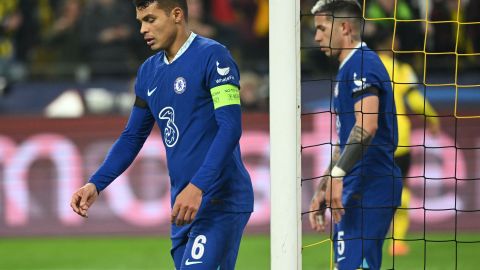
65	93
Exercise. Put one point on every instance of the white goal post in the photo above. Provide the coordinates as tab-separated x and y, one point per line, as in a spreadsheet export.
285	228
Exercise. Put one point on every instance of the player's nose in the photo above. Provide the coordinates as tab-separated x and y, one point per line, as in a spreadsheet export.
318	36
143	29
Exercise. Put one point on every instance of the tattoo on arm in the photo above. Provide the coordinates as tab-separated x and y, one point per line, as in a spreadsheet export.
358	135
357	145
335	157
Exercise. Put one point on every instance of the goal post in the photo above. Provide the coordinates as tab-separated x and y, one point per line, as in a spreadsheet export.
285	166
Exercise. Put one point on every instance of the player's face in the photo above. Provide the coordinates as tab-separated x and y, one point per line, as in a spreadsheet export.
158	27
325	36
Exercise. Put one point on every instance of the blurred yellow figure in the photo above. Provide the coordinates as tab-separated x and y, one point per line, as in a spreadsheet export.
407	98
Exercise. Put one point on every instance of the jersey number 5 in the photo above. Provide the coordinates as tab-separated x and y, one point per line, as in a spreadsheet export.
340	243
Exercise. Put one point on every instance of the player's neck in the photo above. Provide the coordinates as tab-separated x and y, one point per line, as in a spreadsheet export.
349	47
177	43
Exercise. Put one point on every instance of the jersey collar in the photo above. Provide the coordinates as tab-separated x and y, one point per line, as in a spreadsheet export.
182	50
359	45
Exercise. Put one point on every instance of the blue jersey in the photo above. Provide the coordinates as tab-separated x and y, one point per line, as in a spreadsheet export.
190	99
360	70
372	189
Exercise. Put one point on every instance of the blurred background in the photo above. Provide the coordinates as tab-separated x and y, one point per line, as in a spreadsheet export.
67	69
89	51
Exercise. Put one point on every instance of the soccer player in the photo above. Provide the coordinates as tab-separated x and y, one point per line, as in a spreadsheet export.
407	96
190	89
365	184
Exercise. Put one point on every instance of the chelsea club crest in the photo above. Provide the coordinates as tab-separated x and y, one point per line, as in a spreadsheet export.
180	85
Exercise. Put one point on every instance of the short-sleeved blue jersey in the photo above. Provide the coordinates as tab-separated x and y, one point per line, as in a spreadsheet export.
360	70
200	137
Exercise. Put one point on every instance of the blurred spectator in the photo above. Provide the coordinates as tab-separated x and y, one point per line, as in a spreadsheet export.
261	19
254	44
197	21
61	40
38	19
472	14
222	12
253	92
200	24
107	33
27	36
409	33
443	34
10	22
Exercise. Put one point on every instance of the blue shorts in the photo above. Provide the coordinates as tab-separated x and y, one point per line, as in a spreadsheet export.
360	235
210	242
358	238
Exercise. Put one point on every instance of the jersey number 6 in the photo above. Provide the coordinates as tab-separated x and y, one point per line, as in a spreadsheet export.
198	247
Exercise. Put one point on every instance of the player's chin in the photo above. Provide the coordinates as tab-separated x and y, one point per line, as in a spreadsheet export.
155	46
326	51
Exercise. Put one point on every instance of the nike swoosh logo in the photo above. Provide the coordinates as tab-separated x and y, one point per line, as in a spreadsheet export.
187	262
150	92
340	259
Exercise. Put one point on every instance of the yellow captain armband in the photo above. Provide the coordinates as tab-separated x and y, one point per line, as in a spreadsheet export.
224	95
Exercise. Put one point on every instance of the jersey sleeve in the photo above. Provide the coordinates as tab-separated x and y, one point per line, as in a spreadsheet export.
223	82
140	90
221	68
371	76
125	149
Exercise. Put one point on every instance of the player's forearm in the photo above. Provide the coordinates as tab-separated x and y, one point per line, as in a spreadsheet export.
361	135
221	150
118	159
335	156
124	150
357	145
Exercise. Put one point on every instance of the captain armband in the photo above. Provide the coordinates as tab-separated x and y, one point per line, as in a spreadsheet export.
357	143
225	95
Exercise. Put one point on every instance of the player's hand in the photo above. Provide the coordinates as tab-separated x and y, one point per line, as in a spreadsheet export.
334	198
317	211
186	205
83	198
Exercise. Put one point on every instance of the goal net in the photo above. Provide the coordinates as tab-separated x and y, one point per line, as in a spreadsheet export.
435	42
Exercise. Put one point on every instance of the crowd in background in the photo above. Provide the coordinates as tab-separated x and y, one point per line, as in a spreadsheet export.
84	40
104	34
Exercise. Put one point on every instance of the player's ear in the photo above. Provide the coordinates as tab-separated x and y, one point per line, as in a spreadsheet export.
177	14
346	27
